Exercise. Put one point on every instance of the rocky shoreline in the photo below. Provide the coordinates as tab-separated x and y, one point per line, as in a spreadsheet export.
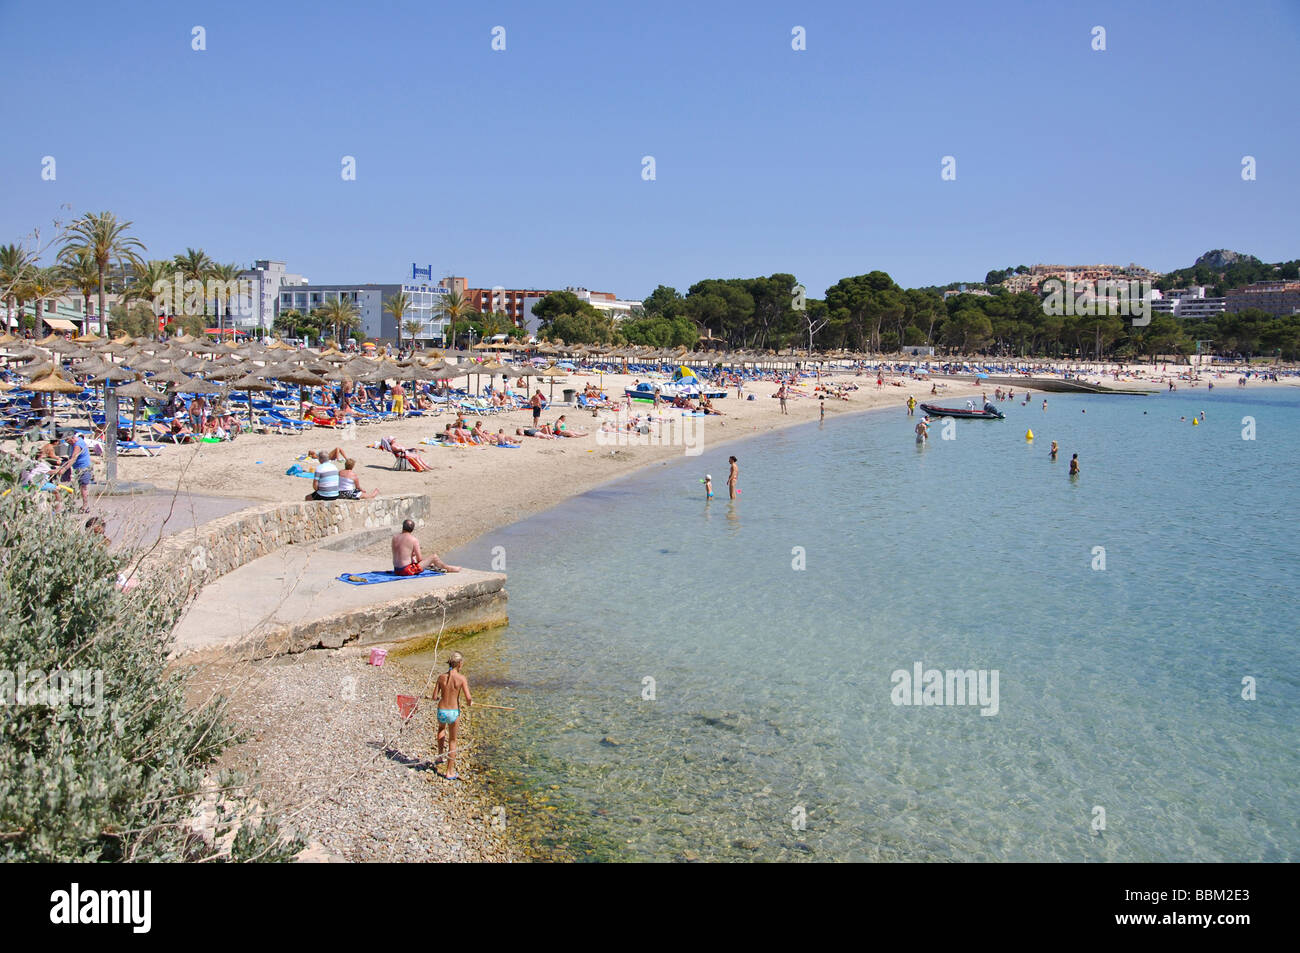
335	764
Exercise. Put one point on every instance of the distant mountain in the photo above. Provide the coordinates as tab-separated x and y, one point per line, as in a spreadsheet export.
1222	270
1221	258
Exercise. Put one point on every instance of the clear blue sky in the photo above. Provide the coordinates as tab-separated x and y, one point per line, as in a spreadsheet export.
523	168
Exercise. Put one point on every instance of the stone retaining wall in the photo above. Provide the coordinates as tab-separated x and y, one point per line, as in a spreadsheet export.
218	546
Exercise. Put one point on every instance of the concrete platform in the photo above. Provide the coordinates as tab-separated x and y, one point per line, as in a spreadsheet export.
292	600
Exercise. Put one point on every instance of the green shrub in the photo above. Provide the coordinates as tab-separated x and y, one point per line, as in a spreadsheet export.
121	784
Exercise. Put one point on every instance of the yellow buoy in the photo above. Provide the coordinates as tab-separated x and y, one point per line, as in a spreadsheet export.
1195	422
1029	435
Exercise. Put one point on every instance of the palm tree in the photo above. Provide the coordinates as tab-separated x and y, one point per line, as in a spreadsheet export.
454	307
15	261
105	239
412	328
195	265
227	275
287	322
82	273
397	306
340	313
42	284
145	276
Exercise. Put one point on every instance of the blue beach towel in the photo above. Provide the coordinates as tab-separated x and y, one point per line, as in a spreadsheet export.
383	575
298	471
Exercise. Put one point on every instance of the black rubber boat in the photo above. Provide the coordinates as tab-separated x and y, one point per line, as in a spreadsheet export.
988	413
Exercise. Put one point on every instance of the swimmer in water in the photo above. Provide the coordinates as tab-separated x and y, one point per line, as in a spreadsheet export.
1053	450
708	486
1074	465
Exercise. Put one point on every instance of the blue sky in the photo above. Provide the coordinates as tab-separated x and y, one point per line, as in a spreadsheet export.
523	167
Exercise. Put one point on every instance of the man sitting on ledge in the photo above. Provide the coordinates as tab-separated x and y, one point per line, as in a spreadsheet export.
406	554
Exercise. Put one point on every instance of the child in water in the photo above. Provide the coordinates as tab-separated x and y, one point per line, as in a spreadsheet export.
708	486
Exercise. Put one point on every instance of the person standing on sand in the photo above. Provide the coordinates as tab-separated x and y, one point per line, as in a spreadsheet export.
536	404
780	393
406	554
451	685
733	477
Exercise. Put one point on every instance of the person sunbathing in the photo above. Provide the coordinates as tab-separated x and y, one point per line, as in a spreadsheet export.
177	432
480	435
561	429
349	486
531	432
412	457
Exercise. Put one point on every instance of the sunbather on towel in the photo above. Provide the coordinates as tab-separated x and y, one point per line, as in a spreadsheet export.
407	560
530	432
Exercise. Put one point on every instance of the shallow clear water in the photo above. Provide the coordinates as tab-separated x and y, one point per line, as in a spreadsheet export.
1118	688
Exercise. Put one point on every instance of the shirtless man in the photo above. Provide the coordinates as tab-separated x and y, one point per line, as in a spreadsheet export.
451	685
406	554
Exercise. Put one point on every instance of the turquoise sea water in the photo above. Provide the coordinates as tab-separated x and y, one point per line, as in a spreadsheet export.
771	733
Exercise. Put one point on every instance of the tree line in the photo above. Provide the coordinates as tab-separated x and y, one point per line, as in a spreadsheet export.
872	313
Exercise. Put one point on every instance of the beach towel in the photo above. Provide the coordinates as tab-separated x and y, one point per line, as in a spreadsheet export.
298	471
374	578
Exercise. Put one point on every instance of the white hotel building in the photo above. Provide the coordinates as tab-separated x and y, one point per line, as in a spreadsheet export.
376	324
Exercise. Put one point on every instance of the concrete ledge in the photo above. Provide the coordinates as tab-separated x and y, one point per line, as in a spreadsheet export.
293	601
222	545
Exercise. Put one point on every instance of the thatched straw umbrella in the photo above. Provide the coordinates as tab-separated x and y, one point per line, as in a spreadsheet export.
294	375
136	391
250	383
52	382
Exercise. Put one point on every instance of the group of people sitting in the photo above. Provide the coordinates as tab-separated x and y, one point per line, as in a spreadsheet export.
703	405
458	432
336	478
181	424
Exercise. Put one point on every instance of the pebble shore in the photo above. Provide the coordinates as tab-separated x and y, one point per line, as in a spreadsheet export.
334	763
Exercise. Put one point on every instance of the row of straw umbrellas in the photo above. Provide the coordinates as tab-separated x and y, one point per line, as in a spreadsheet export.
133	368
